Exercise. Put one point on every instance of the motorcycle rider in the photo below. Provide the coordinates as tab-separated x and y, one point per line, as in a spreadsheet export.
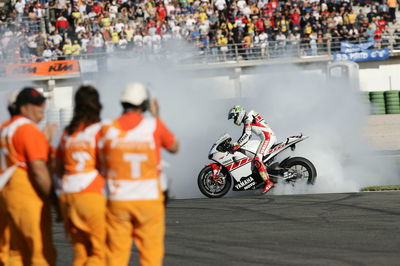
254	123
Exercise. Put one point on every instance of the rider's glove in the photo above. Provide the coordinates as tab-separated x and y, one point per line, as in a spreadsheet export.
235	147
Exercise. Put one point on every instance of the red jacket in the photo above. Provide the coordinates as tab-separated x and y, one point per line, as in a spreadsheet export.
62	23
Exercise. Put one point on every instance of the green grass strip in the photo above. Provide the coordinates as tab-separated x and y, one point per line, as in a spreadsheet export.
381	188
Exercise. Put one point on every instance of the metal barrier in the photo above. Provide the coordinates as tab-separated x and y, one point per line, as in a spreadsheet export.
198	52
33	25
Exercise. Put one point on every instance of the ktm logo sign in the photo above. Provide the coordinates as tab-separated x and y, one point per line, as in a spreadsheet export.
61	67
43	68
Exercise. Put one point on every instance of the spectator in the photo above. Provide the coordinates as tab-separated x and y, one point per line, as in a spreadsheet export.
247	46
76	49
313	44
47	54
392	4
385	37
360	17
67	48
263	40
38	10
138	39
123	43
80	29
40	44
97	8
62	25
32	44
199	21
223	46
397	39
115	37
52	7
378	38
56	39
98	42
369	33
373	13
280	42
19	7
85	43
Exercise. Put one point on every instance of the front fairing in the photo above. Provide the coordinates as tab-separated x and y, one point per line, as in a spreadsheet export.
214	147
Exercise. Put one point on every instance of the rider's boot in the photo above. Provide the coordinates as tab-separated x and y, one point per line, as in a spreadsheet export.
263	173
268	185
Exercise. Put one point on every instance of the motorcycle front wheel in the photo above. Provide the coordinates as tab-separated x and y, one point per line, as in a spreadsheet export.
213	188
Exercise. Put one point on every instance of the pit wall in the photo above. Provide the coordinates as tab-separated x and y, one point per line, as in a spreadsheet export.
380	76
384	131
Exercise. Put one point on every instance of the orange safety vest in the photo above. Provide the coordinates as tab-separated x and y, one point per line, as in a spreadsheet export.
8	157
79	157
130	160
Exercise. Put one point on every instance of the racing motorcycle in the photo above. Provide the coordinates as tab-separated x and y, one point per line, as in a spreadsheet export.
239	168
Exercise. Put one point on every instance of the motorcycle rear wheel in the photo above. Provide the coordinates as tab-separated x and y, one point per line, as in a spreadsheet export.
212	188
302	167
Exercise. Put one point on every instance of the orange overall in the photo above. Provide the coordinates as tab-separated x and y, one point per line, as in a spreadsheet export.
4	234
82	202
28	213
4	227
130	148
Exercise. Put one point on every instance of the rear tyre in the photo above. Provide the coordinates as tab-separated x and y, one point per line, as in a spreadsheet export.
213	188
302	168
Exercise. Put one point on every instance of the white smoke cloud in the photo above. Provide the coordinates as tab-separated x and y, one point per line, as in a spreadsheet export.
7	87
194	105
334	117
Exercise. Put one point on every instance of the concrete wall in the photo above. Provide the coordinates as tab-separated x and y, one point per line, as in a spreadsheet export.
384	131
381	79
380	75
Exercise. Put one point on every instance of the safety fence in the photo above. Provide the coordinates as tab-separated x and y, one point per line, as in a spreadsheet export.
23	21
202	51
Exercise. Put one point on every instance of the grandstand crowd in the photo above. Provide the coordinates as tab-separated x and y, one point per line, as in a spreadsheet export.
42	30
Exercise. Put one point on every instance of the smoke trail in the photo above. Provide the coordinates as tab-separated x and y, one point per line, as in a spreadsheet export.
194	104
7	87
188	105
333	115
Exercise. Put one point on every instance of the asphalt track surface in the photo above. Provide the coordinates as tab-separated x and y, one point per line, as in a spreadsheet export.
319	229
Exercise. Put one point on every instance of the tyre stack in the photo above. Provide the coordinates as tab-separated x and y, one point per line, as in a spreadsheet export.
377	99
392	102
365	96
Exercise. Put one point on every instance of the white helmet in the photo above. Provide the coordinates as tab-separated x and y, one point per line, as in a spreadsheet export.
134	93
12	102
237	113
12	99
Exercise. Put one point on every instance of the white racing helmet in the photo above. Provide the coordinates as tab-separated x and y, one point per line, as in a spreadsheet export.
135	93
237	113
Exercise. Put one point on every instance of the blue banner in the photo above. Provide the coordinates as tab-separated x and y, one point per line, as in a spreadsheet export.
347	47
367	55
